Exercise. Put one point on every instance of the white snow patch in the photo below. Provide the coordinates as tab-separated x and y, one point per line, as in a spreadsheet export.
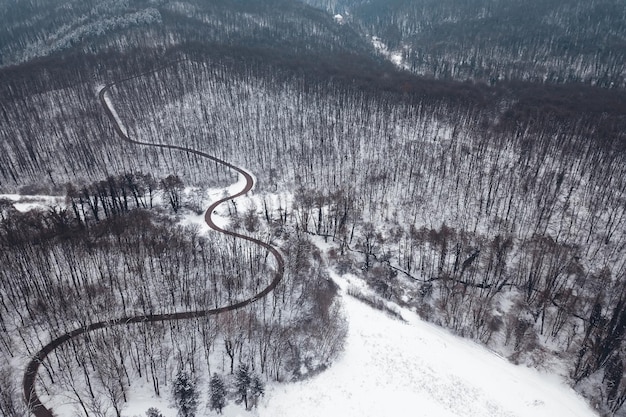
26	203
142	397
116	116
390	368
338	19
222	214
197	220
396	56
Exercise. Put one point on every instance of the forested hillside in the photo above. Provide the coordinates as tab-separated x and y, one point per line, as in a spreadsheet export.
545	41
34	28
508	234
494	209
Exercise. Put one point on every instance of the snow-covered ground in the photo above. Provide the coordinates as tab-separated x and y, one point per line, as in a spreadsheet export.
391	368
220	216
25	203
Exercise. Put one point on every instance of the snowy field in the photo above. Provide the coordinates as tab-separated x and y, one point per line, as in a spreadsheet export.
393	369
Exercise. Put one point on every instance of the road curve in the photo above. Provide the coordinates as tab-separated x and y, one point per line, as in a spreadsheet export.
30	374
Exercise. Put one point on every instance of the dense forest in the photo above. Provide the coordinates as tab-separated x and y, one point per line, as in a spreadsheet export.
487	195
544	41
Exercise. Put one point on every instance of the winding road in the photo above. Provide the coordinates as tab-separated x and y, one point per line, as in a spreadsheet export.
36	407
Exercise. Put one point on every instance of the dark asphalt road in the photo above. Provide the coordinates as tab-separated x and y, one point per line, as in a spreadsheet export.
30	374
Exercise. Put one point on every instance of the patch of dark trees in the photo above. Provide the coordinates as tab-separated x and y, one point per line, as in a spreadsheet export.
109	205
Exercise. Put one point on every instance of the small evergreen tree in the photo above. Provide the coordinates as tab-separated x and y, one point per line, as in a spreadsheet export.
153	412
257	389
217	395
185	394
242	382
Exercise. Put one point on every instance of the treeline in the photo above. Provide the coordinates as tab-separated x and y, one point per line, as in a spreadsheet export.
86	205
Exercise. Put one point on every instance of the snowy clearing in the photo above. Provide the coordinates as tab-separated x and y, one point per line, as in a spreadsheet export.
394	56
390	368
24	203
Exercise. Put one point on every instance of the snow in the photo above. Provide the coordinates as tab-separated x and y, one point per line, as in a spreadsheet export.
391	368
395	368
116	116
24	203
221	216
143	398
394	56
197	220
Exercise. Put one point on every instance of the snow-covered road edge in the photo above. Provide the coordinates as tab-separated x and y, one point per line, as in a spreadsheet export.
111	107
